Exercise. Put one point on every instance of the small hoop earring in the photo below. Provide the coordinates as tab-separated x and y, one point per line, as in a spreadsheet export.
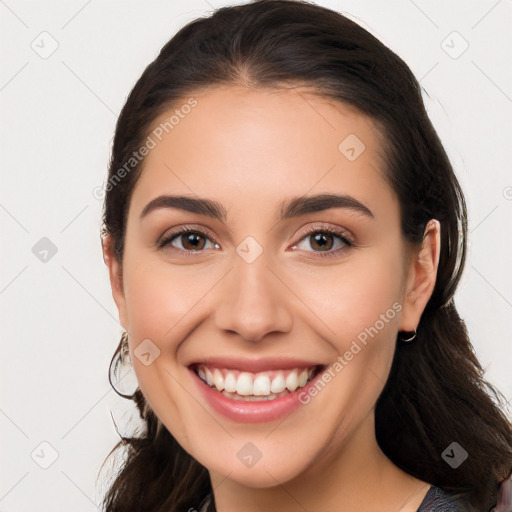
409	336
125	351
126	380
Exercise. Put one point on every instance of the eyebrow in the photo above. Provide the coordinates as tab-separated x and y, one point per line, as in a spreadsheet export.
292	208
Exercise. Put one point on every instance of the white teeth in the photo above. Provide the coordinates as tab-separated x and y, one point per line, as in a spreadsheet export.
218	380
246	384
278	384
230	383
234	396
292	382
261	385
303	378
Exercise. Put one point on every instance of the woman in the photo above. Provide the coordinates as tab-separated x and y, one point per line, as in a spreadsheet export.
284	235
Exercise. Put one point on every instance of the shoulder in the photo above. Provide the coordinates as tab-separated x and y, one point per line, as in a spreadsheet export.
439	500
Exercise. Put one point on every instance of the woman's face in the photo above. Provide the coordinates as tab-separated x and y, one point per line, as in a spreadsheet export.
274	280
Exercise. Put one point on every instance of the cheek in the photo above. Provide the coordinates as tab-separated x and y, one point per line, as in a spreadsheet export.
160	305
354	296
158	297
360	304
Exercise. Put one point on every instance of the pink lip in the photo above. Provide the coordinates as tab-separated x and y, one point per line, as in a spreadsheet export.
254	411
255	365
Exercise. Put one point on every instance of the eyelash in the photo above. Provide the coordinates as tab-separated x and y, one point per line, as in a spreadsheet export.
322	230
185	229
310	231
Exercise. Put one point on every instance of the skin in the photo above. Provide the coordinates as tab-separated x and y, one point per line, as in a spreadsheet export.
250	150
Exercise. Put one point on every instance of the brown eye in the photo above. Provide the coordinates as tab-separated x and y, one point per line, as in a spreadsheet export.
326	241
322	241
192	241
188	241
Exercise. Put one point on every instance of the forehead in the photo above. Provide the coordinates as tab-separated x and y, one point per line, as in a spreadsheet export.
256	147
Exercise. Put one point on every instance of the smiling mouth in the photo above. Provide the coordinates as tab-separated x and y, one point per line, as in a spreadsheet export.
248	386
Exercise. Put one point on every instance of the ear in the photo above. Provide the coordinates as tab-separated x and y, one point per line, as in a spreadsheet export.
116	277
422	276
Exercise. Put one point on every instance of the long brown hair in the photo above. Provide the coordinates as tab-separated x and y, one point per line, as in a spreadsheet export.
435	394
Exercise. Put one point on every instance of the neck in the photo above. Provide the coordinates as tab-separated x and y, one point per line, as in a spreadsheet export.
358	476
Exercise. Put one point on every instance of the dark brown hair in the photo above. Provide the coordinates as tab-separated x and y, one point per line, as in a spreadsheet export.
435	393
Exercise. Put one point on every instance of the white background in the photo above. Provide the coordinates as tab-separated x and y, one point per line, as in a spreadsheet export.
59	325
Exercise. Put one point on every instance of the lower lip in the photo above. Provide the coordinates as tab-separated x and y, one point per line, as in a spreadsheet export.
253	411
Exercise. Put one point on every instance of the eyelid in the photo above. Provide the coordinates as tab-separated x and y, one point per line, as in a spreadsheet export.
168	235
341	233
323	227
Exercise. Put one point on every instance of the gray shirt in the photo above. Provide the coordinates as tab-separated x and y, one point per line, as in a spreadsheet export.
436	500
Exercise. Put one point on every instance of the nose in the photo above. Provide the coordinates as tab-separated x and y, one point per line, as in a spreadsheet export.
252	301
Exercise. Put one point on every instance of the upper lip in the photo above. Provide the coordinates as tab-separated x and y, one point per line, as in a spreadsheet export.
255	365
